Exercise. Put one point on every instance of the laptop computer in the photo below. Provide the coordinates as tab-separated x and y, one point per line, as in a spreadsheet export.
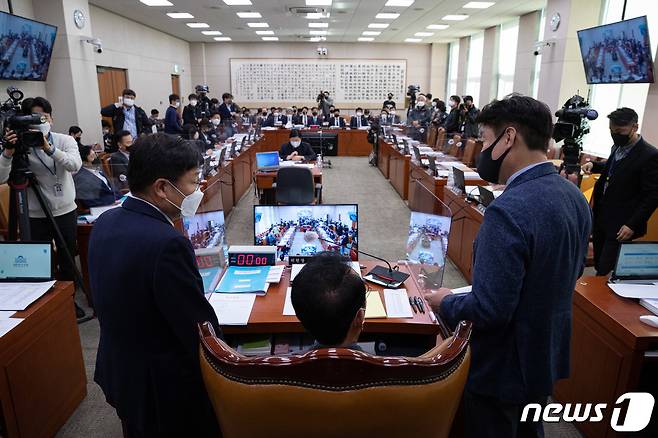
459	181
419	157
25	261
432	165
405	147
637	262
486	196
267	161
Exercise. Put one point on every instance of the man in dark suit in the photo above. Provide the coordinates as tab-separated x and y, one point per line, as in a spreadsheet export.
358	120
626	194
528	254
126	116
302	118
452	124
149	297
295	149
276	118
92	187
336	121
189	112
469	115
172	123
315	119
119	161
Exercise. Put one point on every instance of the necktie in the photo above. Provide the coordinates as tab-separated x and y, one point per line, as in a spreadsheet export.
336	118
358	121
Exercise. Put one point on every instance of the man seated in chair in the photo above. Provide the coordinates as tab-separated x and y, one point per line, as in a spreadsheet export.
92	187
329	299
295	150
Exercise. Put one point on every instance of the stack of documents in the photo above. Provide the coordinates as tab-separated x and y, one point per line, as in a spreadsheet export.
634	290
7	323
397	303
374	305
238	279
232	309
256	347
17	296
650	304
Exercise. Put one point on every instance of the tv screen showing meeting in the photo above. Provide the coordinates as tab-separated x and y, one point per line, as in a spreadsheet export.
617	53
26	47
307	230
205	230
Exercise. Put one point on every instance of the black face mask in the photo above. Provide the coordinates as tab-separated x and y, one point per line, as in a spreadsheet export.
488	168
96	161
620	140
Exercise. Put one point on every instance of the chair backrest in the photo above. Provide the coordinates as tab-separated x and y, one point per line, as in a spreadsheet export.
454	147
294	185
107	167
471	151
441	139
335	392
431	135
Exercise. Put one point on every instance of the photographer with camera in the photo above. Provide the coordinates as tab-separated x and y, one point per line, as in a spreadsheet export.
626	194
52	160
128	116
469	114
325	102
203	107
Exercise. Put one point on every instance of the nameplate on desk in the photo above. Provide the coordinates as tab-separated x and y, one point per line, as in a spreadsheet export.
298	259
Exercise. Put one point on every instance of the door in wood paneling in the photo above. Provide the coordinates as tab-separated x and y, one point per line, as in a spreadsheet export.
175	85
111	83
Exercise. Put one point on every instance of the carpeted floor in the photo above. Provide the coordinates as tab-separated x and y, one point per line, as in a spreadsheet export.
383	227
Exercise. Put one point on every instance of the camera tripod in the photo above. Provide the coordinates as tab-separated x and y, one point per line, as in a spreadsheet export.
20	179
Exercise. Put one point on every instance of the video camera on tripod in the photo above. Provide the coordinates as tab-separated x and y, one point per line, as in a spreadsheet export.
572	124
412	90
11	118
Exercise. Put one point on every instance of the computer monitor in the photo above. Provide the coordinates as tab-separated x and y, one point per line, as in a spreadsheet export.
417	154
636	261
405	147
232	153
27	48
459	180
205	230
25	261
222	156
243	142
395	139
432	165
486	196
305	230
428	238
267	161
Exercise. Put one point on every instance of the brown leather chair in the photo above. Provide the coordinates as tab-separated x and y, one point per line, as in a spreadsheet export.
454	149
441	139
471	151
431	135
107	167
335	392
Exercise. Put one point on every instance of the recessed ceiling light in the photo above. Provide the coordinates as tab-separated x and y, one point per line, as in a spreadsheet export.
270	38
317	15
198	25
438	26
211	32
387	16
365	39
316	39
237	2
317	32
403	3
378	25
249	15
318	24
478	5
156	2
456	17
258	25
180	15
222	38
372	32
264	32
318	2
423	34
413	40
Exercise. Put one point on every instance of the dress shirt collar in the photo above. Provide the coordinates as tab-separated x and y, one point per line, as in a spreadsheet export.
146	202
525	169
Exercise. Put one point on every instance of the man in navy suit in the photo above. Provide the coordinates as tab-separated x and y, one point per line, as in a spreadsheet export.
275	117
92	187
315	119
528	254
358	120
336	121
148	296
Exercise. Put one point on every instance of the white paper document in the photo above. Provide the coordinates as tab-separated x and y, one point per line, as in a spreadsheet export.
462	290
298	267
4	314
275	273
288	310
471	175
17	296
635	290
397	303
232	309
7	324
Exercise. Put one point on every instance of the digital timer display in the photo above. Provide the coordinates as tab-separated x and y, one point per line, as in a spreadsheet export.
208	261
250	260
245	256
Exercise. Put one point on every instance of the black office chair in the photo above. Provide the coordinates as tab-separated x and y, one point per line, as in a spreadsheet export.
295	186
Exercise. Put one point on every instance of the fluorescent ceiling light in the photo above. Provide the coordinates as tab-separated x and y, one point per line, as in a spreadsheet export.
270	38
197	25
413	40
378	25
387	16
258	25
403	3
156	2
222	38
318	24
318	2
237	2
264	32
317	32
211	32
371	32
365	39
317	15
180	15
317	39
438	26
457	17
478	5
249	15
423	34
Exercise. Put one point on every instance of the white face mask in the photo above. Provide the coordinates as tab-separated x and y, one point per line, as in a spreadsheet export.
276	114
295	144
434	104
392	113
43	127
190	203
177	104
193	102
359	114
216	122
128	101
420	104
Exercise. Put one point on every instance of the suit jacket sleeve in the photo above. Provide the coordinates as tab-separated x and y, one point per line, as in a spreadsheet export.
496	286
649	184
108	111
284	151
179	293
598	166
309	153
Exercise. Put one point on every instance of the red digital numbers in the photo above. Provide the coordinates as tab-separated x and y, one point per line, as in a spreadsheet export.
250	260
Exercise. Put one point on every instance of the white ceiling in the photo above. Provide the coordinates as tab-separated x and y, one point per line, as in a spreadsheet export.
349	18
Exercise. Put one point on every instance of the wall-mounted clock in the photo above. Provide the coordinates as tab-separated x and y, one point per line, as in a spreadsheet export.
555	21
79	18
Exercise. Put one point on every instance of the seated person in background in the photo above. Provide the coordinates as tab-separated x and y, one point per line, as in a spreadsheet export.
190	110
119	160
384	118
156	121
359	119
295	150
191	133
302	118
336	121
108	138
92	187
329	299
275	118
172	121
315	118
394	118
290	117
76	133
368	115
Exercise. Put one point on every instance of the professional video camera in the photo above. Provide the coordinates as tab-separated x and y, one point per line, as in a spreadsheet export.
411	92
572	124
11	118
202	88
320	97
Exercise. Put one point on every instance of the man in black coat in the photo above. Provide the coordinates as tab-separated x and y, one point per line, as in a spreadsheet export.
626	194
452	121
295	150
358	120
126	116
149	298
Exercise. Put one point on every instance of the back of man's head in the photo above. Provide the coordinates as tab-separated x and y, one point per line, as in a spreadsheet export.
326	295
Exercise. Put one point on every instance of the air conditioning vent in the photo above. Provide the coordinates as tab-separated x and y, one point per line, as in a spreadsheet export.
303	10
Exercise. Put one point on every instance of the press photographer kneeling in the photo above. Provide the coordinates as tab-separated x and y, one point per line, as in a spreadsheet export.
52	163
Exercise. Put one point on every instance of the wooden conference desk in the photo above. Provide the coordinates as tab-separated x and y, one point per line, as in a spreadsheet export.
351	142
266	180
395	166
42	378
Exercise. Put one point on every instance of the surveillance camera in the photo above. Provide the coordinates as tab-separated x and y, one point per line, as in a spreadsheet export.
537	52
96	42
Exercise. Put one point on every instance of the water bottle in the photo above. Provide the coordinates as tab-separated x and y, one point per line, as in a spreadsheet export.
318	162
